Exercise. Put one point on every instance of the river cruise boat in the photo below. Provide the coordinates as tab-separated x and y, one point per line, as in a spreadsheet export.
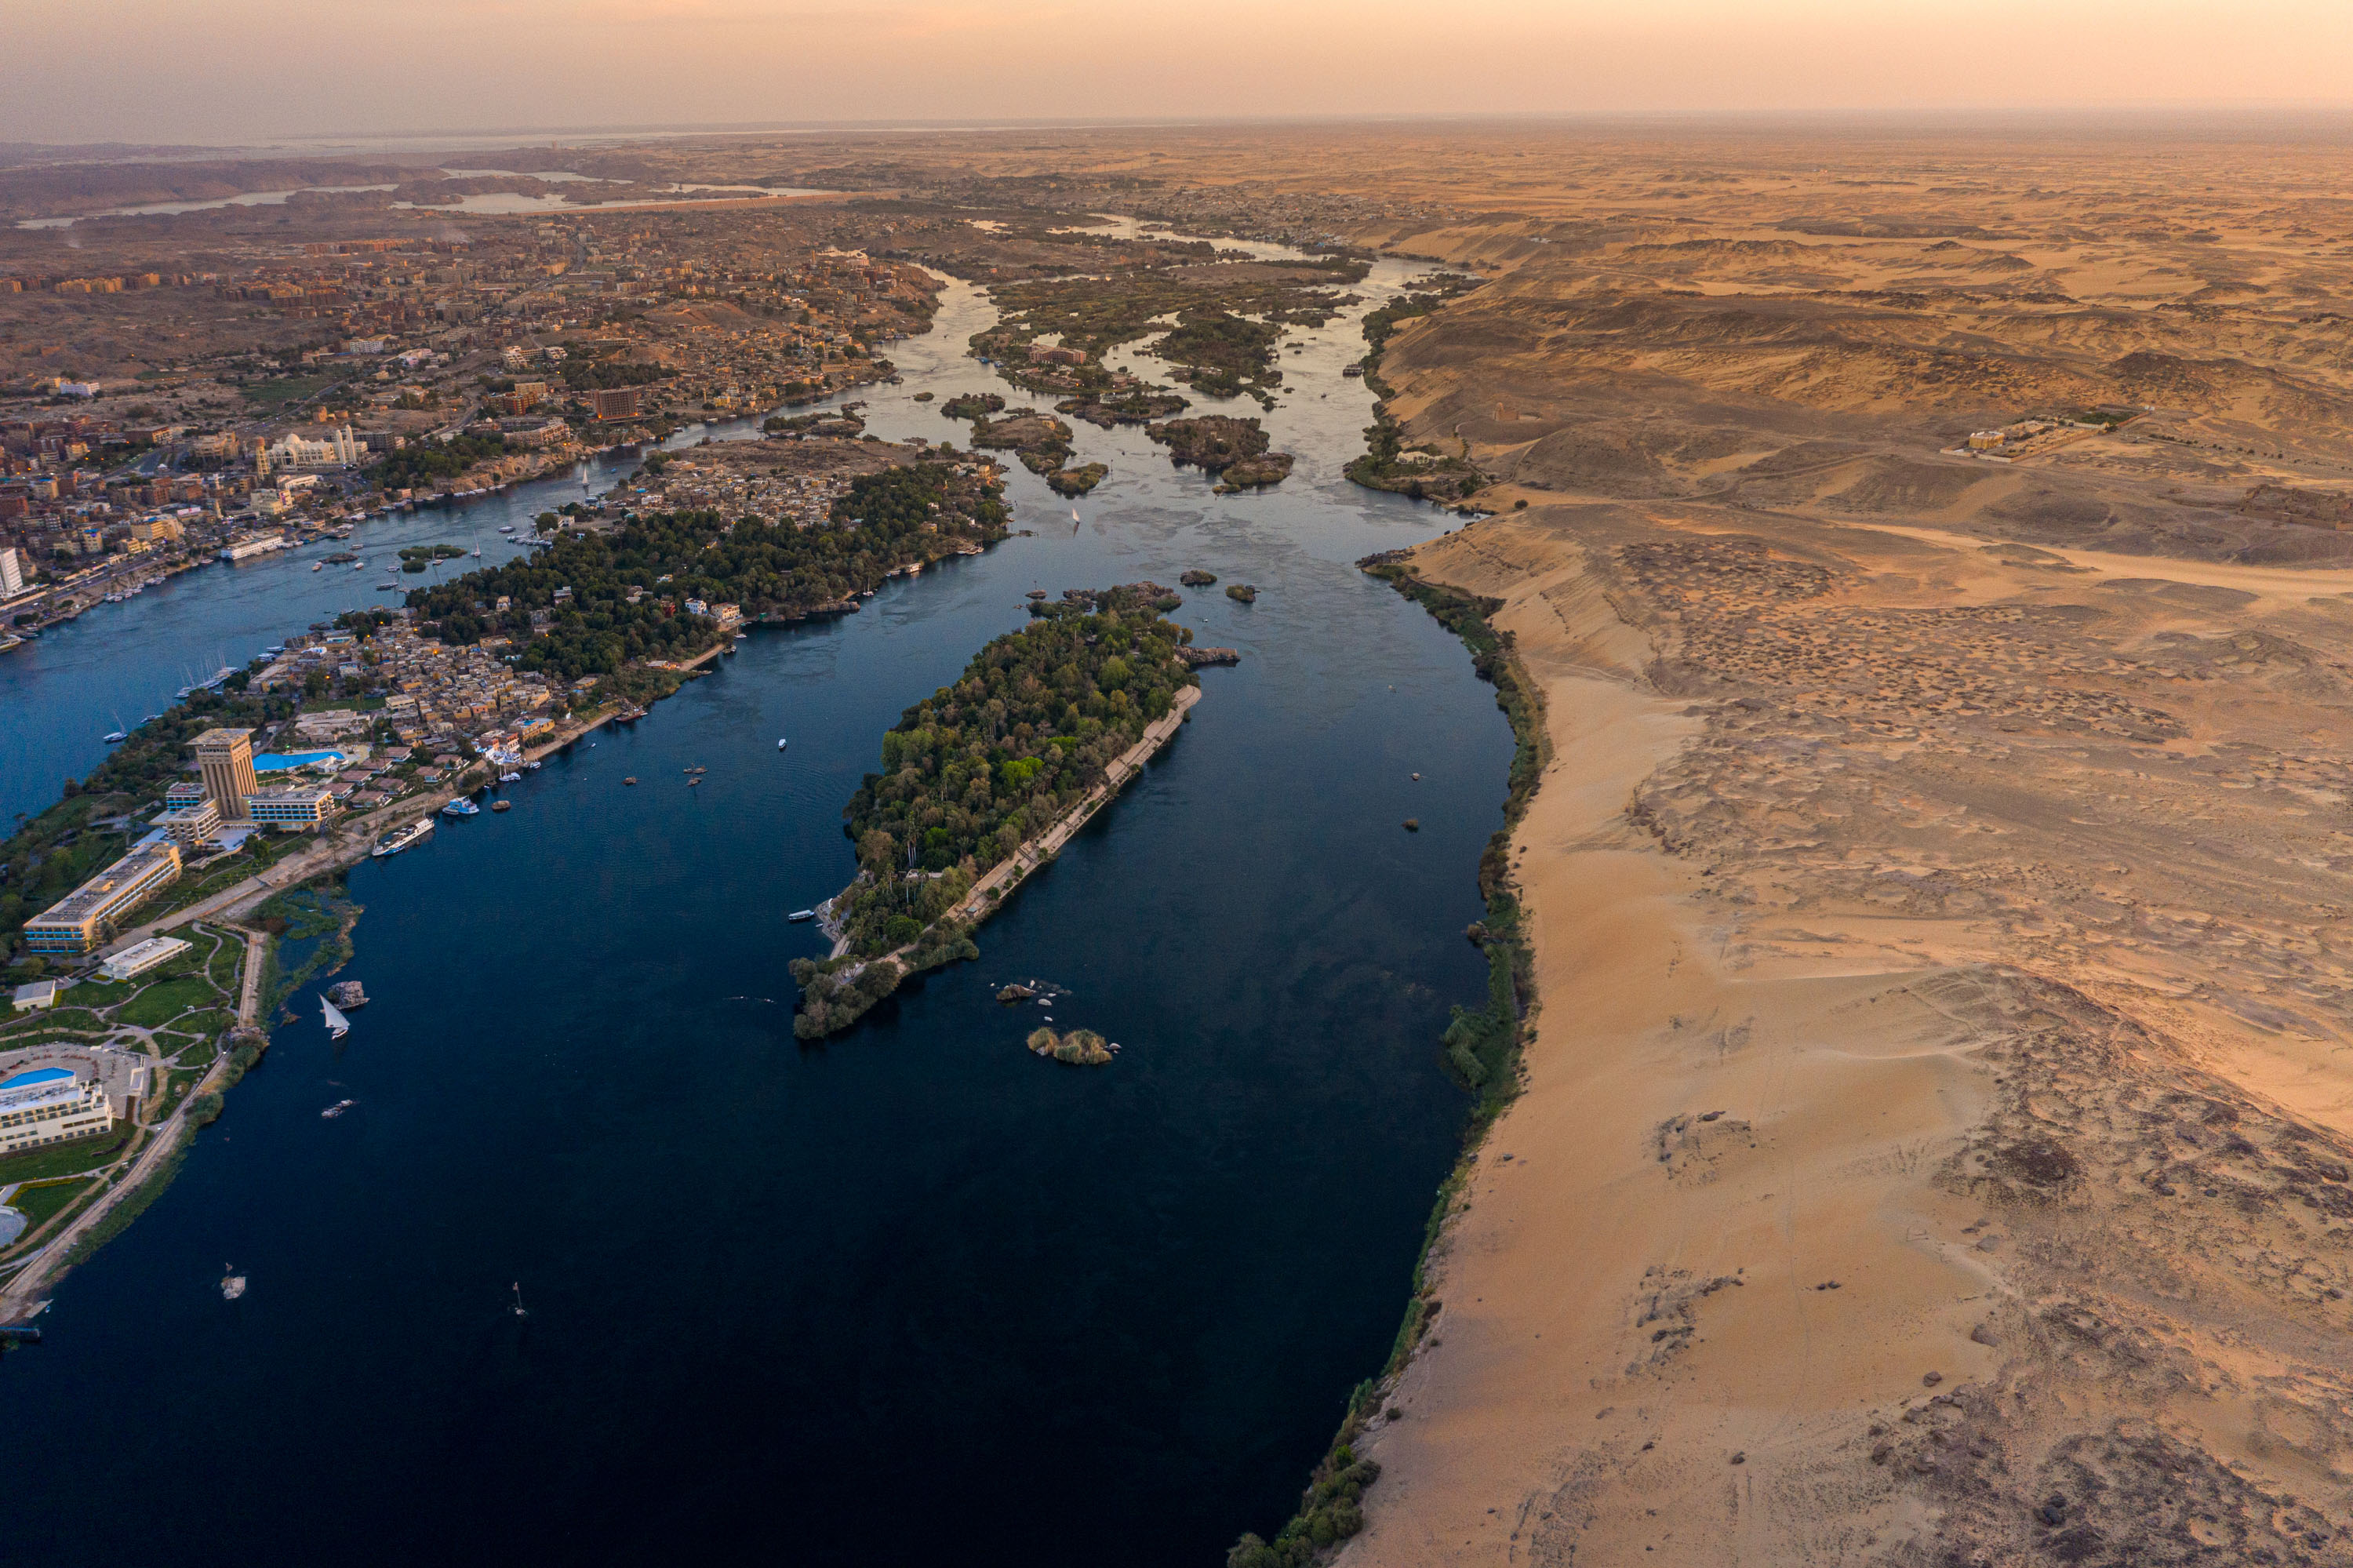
461	807
399	839
802	914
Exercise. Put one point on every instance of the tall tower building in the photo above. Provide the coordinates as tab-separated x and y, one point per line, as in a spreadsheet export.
12	574
225	757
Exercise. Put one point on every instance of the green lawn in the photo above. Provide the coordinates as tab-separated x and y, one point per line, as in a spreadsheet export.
224	964
162	1003
98	993
64	1019
66	1159
205	1025
37	1204
283	389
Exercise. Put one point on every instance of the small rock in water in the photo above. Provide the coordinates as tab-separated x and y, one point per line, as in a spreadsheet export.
1413	824
1013	993
1417	777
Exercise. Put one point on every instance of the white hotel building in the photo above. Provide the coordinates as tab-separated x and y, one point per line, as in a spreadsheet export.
50	1105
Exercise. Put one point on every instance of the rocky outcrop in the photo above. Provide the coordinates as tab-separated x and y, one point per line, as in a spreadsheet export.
1212	441
1194	658
1256	473
1076	480
1079	1047
1197	578
1133	408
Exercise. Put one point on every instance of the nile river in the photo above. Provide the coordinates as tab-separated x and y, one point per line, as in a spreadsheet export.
909	1296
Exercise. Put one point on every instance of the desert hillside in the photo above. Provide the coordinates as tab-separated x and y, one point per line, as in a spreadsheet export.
1937	1128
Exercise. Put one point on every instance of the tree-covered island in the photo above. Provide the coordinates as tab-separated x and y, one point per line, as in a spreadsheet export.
596	603
977	770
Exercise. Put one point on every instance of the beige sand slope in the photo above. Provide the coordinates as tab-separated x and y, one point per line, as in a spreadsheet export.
1934	1147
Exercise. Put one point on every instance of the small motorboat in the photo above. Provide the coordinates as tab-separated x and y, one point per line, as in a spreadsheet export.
461	807
630	779
318	566
533	767
502	805
780	743
232	1285
116	736
692	783
338	1108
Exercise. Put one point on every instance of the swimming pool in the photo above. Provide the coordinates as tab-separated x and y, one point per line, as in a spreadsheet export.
274	762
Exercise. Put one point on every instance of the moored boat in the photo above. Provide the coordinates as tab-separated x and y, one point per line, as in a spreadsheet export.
396	841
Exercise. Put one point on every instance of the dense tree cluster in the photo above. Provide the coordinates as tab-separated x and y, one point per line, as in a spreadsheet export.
581	589
420	462
978	766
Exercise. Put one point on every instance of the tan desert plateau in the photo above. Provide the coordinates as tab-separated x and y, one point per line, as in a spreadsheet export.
1938	1125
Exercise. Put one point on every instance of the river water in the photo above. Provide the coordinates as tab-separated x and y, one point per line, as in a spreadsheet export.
910	1294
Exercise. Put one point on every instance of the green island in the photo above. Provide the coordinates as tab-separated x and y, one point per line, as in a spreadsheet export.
1042	724
605	604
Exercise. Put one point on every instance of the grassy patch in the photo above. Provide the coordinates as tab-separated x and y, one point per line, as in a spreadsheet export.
281	390
163	1003
132	1206
56	1019
96	994
73	1158
38	1205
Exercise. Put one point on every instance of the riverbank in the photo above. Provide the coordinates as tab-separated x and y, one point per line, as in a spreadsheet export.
153	1166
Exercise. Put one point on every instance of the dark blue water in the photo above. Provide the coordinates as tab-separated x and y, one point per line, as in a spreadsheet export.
912	1295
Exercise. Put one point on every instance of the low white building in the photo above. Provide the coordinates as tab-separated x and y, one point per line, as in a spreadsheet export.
50	1105
190	826
140	956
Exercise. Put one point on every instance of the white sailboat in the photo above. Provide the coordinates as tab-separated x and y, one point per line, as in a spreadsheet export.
337	1024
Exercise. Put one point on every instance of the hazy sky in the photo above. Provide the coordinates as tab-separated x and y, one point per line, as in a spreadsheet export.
217	70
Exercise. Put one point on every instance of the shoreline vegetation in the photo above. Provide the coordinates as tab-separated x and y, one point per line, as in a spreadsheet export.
1423	472
1482	1052
984	782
